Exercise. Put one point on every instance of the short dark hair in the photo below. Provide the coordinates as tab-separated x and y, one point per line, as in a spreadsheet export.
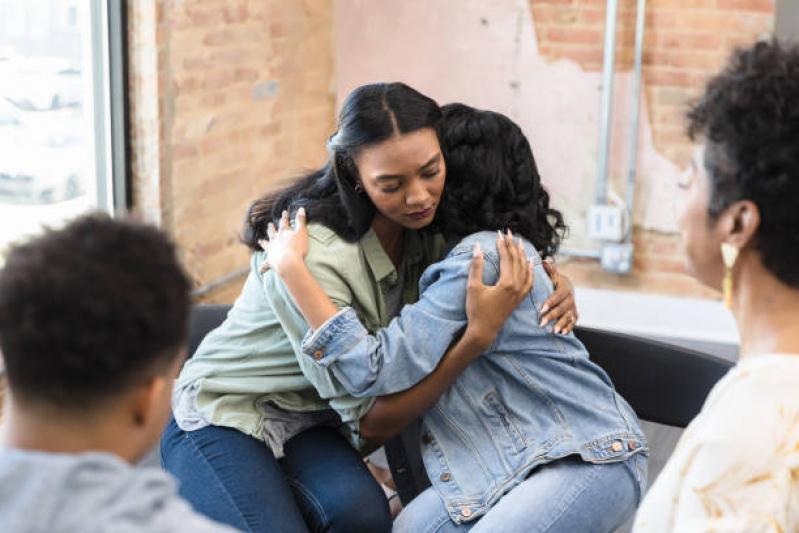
371	114
749	118
493	181
90	310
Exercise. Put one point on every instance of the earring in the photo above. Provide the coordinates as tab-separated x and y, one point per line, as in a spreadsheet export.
729	254
358	186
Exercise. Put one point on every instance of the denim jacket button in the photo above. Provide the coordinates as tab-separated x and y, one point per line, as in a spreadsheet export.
318	354
466	512
446	476
632	445
616	446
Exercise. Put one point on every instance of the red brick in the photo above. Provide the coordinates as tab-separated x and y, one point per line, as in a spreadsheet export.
571	35
182	151
762	6
689	41
236	14
219	38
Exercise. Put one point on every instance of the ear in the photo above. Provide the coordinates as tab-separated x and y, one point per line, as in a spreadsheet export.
739	223
148	398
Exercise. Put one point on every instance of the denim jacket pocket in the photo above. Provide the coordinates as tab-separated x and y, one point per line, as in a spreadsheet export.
498	411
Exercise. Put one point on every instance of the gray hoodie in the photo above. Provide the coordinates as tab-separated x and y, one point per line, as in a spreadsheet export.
91	493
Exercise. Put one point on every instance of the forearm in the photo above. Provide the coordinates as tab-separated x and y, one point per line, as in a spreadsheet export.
315	305
390	414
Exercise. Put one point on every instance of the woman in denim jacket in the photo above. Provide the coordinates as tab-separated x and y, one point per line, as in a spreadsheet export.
532	435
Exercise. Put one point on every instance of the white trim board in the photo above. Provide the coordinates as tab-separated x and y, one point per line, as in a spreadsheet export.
656	316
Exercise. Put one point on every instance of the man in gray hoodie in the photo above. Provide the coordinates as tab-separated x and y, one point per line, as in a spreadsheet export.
93	321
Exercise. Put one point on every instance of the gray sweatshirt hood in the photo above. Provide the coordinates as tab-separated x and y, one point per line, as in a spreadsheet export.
90	493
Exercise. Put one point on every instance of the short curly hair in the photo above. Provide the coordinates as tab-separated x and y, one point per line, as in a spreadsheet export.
493	181
90	310
749	119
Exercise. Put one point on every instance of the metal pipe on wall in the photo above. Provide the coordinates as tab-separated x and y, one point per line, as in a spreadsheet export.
635	114
606	121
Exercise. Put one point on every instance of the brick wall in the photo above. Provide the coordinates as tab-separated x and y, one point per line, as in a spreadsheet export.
686	42
227	98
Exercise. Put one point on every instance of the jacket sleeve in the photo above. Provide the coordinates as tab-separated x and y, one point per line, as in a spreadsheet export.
327	270
402	354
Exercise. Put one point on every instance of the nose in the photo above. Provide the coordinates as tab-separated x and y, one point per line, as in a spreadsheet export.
417	193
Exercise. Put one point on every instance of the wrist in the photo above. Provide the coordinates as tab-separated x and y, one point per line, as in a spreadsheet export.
478	338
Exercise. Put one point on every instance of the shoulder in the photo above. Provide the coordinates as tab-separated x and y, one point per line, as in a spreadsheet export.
329	251
751	410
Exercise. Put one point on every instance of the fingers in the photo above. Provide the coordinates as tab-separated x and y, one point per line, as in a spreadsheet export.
271	232
505	269
264	244
284	221
555	299
264	266
301	218
529	278
566	323
476	268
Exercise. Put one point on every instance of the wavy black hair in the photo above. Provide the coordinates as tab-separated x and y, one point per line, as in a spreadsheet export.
371	114
749	119
90	310
493	181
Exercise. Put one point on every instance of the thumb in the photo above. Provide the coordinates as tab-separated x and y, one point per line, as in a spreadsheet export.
476	268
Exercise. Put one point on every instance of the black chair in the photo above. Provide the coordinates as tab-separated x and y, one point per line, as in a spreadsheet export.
664	383
203	319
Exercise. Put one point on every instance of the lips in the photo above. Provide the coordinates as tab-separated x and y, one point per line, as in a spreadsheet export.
421	215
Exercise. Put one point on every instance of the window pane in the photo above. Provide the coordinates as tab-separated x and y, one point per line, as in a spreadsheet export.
47	143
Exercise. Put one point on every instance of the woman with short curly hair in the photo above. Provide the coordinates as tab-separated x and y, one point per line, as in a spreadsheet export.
736	467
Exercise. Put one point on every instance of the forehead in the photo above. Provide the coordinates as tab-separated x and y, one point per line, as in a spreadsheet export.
401	154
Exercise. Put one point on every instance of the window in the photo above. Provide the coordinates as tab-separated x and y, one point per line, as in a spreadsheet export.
60	107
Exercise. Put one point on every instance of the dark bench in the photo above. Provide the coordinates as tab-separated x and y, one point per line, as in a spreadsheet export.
664	383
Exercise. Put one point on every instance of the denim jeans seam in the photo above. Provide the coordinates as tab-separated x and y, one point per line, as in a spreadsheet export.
188	437
311	498
588	480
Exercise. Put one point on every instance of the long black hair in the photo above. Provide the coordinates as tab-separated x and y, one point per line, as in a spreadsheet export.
493	181
371	114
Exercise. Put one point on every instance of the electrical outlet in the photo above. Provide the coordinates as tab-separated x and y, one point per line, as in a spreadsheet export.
606	223
617	257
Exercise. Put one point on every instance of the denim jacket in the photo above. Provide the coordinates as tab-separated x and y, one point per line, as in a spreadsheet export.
532	398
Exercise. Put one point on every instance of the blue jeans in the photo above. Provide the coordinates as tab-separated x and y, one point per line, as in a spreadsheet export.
567	495
321	485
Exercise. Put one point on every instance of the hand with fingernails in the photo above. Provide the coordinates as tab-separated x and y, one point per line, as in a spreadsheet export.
286	246
488	306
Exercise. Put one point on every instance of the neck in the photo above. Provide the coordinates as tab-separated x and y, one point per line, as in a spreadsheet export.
391	236
52	431
766	311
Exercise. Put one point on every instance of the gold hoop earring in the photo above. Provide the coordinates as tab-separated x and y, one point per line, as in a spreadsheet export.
729	254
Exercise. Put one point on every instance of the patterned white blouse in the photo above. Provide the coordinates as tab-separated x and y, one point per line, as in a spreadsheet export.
736	467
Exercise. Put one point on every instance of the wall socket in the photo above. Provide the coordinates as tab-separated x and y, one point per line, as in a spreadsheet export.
617	257
606	223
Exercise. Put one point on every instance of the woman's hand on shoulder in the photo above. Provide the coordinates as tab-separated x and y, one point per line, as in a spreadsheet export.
560	307
287	246
488	307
